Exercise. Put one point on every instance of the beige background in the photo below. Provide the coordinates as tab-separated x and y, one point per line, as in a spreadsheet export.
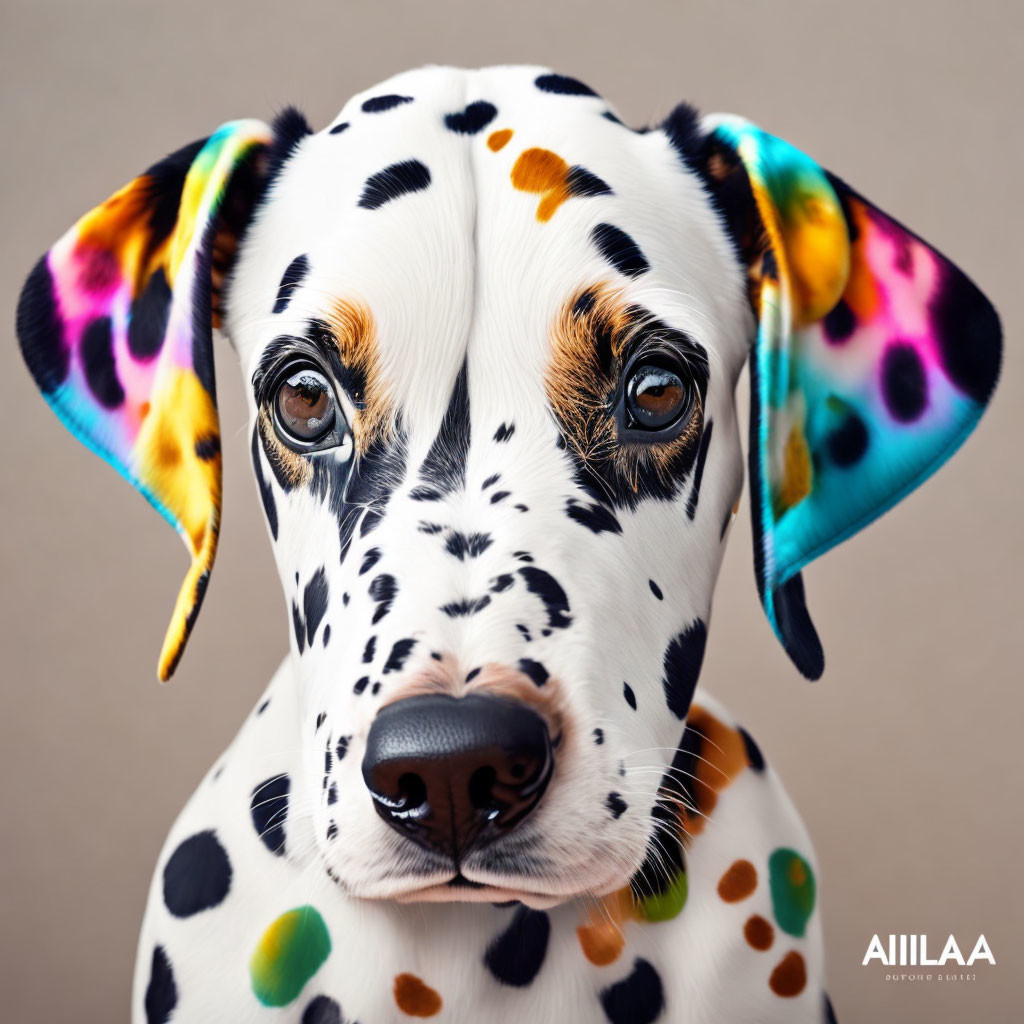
904	760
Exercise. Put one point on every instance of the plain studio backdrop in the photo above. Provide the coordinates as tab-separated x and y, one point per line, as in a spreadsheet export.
904	759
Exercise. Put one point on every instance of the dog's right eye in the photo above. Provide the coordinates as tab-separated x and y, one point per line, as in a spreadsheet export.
307	416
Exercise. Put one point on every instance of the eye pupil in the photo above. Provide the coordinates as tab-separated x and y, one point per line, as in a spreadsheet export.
305	405
656	396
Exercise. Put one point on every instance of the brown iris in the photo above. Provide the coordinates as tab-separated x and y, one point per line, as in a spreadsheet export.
305	405
656	396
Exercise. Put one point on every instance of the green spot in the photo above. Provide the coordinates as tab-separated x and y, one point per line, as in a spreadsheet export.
288	954
665	905
793	890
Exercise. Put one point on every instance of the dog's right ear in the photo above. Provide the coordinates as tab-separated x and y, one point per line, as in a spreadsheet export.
115	325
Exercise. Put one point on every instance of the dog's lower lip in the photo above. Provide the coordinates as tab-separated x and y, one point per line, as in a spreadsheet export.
464	890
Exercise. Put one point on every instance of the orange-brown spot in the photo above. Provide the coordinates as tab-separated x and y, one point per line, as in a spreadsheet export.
499	139
722	756
416	998
738	882
545	173
759	932
601	943
790	975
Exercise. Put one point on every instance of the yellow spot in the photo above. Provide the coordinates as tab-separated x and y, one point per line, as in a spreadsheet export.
499	139
796	472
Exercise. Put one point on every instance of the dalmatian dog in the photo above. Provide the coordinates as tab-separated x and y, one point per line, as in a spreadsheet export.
489	337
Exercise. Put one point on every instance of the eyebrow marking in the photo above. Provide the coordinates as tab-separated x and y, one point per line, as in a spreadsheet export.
392	182
293	276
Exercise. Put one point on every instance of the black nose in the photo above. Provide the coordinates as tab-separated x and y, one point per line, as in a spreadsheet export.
451	773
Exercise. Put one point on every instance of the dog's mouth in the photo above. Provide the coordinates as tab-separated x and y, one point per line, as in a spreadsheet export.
460	889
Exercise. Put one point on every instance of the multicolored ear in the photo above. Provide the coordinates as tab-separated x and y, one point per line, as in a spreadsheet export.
874	359
115	326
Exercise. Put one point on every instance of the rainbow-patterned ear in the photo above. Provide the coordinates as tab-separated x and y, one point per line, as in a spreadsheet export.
115	326
874	359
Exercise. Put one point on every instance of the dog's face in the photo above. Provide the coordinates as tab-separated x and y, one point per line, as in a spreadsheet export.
492	461
490	338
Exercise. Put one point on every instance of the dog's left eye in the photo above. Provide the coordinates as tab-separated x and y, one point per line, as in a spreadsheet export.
655	397
307	416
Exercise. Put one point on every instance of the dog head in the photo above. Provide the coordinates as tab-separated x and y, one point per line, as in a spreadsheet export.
490	338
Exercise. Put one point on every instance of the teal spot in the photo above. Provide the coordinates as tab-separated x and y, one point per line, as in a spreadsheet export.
793	890
288	954
666	905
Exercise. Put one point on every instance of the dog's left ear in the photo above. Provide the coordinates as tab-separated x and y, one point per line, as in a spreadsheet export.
115	324
874	356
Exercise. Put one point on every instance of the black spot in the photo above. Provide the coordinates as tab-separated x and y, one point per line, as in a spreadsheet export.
290	128
40	330
656	590
207	448
332	831
98	362
550	591
161	993
683	658
522	508
620	250
499	496
399	652
314	603
608	115
581	182
392	182
327	634
269	810
382	589
638	999
472	674
490	481
425	494
754	756
370	559
599	736
466	606
361	684
504	432
698	471
839	323
968	333
147	321
369	650
328	763
320	719
904	383
375	689
596	518
524	631
563	85
266	491
293	276
535	670
340	127
332	794
830	1014
322	1010
502	583
616	804
462	545
847	444
345	599
627	692
444	467
474	118
263	707
378	104
299	626
197	876
429	528
517	954
341	747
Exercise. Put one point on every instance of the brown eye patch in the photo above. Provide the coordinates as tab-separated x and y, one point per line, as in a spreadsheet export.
596	337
